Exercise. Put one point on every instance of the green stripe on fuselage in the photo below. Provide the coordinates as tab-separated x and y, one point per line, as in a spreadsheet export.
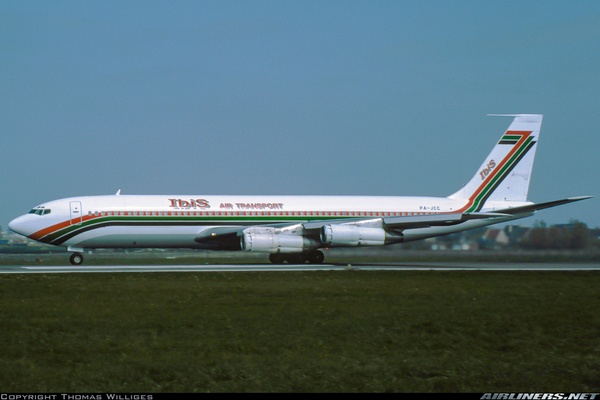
64	234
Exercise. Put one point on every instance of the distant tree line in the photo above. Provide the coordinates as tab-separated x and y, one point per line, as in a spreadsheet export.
575	235
572	236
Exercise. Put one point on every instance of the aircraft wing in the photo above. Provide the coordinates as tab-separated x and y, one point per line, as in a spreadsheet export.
410	221
423	221
228	237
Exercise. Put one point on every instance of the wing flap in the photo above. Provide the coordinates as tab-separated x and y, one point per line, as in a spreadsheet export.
424	221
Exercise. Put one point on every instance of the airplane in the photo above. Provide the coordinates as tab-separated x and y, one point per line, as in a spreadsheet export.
295	229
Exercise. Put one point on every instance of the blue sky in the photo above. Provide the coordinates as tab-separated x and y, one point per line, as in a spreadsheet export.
293	97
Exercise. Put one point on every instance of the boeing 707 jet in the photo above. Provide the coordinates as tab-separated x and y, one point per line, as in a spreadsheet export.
293	229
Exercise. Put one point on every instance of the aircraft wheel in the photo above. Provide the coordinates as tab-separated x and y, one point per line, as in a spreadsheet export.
315	257
276	258
76	258
296	258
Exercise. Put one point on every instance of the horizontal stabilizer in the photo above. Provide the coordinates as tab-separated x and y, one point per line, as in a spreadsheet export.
541	206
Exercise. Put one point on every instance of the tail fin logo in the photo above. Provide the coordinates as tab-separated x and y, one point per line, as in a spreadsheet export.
494	172
486	171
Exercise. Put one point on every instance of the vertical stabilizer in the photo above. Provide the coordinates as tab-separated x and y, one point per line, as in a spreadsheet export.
506	172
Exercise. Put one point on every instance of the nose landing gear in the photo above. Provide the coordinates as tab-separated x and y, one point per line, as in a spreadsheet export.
76	258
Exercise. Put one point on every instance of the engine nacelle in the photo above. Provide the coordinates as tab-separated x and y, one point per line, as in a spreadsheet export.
351	235
268	240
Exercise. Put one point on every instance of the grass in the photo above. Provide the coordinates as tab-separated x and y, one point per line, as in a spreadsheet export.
348	331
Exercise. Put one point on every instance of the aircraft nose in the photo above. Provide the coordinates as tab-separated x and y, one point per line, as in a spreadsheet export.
18	225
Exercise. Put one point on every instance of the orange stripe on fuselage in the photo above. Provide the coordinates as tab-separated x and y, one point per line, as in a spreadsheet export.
56	227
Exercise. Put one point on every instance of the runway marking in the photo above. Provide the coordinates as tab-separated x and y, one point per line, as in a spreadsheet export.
415	266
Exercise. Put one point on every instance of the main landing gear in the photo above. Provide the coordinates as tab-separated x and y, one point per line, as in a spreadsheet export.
312	257
76	258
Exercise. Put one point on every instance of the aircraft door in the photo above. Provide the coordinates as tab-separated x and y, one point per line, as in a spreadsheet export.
76	212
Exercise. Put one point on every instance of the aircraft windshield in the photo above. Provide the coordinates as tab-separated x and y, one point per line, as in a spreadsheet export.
40	211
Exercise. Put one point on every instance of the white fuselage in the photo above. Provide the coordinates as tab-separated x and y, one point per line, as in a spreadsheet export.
175	221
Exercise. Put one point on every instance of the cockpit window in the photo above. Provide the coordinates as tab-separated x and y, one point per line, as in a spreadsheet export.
40	211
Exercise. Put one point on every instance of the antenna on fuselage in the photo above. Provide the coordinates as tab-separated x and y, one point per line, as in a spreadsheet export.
118	192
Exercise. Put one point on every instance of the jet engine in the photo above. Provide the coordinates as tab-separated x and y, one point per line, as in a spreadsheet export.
268	240
351	235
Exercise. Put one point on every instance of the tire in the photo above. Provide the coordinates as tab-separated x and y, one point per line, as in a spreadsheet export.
315	257
296	258
76	259
276	258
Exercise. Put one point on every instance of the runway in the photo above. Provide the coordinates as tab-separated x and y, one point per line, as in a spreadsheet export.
413	266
